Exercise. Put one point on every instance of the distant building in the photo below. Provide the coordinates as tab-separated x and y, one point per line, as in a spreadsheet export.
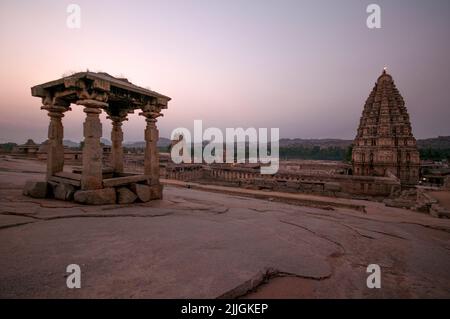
435	173
40	151
384	142
29	149
70	155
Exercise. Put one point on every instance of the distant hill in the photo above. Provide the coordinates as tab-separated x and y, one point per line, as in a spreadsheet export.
162	142
105	141
326	142
441	142
70	143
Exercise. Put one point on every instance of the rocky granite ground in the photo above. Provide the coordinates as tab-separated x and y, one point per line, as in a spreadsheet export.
200	244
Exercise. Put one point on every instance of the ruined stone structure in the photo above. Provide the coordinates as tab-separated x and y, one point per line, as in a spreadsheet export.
384	143
98	92
29	149
249	176
72	156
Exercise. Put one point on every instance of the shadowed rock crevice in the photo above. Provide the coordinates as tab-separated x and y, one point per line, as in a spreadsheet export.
262	278
315	234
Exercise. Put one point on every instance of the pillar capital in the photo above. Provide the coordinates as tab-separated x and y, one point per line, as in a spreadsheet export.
92	97
92	106
117	118
151	112
55	110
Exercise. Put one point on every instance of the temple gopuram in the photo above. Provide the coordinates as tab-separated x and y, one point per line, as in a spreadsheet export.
97	93
384	143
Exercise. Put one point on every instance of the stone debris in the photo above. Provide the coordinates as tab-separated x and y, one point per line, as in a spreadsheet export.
438	211
36	189
125	196
418	200
143	192
64	191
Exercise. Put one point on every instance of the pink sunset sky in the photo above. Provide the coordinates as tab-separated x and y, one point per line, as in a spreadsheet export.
305	67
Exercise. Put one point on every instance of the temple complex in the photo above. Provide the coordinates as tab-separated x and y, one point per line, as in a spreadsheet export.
384	143
97	93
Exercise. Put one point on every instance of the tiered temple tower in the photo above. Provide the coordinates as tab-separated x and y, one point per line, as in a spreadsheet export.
384	141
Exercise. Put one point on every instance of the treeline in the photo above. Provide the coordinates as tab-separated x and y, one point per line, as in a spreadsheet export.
331	153
7	147
434	154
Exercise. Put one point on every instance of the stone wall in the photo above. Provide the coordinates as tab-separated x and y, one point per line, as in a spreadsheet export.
324	184
187	172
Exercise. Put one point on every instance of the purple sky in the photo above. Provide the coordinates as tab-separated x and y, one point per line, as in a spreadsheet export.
303	66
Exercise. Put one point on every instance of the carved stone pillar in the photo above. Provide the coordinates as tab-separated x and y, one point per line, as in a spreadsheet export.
116	142
91	176
55	151
151	155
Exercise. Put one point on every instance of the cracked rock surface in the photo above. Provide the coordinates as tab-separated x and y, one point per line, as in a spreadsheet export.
197	244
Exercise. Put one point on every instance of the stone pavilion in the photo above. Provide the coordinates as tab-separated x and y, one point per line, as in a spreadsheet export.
97	93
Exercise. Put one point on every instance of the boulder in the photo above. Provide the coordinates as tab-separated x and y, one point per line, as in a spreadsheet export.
146	193
142	191
96	197
64	191
125	196
36	189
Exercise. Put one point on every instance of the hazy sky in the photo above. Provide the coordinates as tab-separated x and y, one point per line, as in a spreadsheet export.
303	66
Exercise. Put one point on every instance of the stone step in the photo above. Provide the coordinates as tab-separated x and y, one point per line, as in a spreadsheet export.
67	178
118	181
68	175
